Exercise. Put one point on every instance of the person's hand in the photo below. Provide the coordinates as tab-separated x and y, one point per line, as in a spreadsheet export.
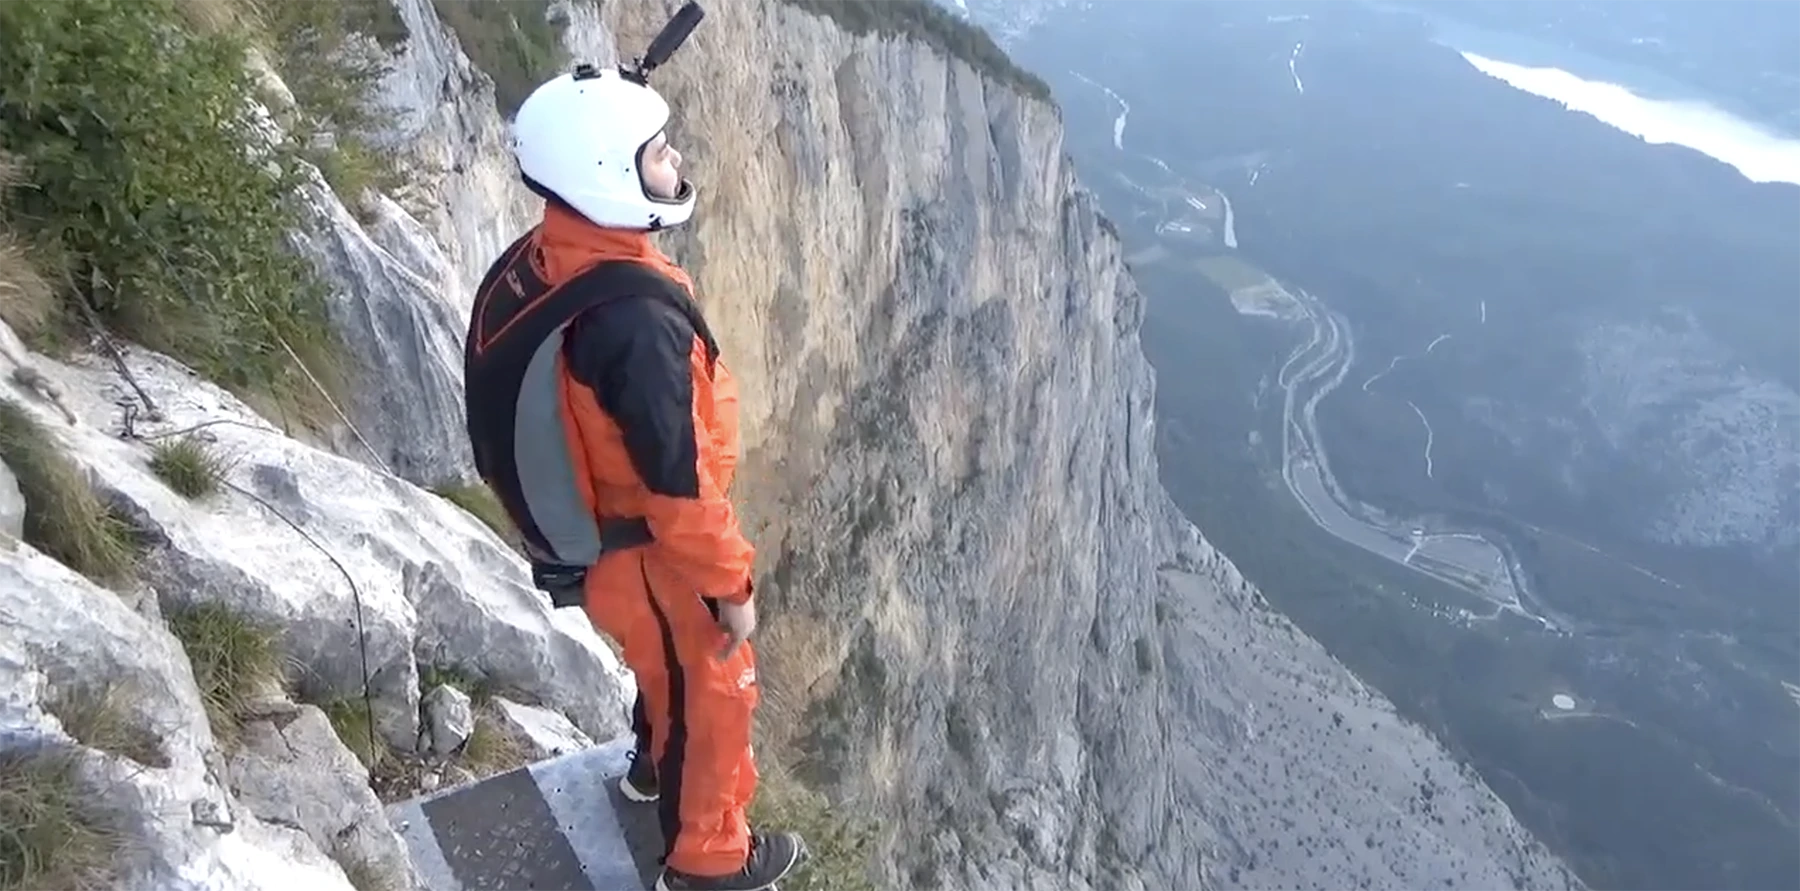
739	620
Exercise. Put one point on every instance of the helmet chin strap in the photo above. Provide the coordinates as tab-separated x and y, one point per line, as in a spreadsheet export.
683	189
683	192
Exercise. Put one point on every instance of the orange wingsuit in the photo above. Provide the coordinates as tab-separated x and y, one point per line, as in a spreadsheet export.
653	599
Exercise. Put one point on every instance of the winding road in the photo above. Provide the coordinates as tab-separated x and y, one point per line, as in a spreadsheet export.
1461	558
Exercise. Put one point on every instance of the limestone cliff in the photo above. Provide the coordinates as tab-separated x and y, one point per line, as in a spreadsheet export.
983	620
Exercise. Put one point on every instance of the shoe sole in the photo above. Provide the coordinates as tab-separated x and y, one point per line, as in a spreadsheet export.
633	793
662	880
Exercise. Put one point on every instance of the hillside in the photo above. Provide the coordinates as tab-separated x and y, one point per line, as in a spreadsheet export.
1494	399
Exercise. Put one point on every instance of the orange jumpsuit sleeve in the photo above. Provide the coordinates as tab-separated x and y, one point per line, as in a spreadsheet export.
642	361
699	536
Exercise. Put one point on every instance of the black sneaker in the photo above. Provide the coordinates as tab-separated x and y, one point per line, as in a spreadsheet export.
771	858
639	783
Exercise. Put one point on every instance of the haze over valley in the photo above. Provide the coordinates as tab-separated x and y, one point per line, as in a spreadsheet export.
1478	349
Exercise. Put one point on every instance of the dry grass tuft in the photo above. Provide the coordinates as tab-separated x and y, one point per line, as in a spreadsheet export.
98	716
838	846
236	660
63	516
191	466
53	831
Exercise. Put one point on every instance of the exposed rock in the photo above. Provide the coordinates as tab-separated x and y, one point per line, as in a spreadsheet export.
403	287
351	564
291	770
283	543
449	719
545	733
440	109
12	504
1303	771
59	633
400	332
318	545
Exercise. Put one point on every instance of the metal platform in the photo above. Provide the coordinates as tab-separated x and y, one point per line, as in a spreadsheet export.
557	825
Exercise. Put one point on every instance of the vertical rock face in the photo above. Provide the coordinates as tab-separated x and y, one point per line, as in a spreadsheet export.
12	505
950	476
464	189
405	278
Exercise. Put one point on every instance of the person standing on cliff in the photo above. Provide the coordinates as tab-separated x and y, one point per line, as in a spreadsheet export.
600	413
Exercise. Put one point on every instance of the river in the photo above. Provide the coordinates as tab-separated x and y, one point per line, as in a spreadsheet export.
1471	560
1463	558
1653	106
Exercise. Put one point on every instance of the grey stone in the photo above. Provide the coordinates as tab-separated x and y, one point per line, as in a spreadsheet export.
545	733
290	769
449	719
12	504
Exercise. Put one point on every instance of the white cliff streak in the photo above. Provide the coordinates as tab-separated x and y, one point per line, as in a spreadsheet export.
1428	436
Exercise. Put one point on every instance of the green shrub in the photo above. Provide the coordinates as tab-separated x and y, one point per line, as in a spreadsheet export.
138	135
27	298
332	77
511	40
937	27
63	516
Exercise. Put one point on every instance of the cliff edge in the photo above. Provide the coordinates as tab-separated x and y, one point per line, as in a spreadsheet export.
985	627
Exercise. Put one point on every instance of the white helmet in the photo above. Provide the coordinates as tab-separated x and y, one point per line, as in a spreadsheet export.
581	135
